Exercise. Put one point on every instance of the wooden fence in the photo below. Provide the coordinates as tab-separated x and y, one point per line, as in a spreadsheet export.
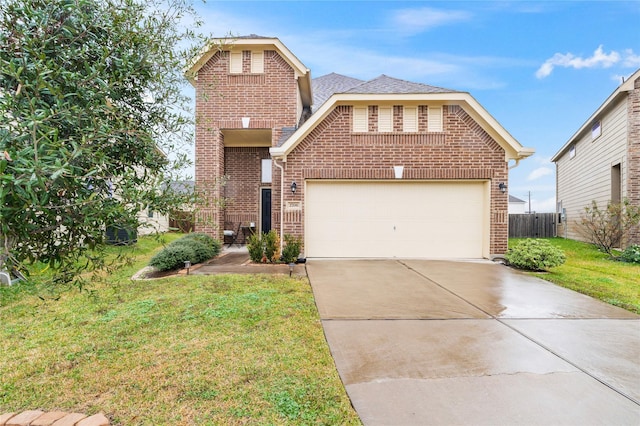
534	225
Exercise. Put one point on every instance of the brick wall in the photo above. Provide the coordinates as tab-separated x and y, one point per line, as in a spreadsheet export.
462	151
269	99
633	141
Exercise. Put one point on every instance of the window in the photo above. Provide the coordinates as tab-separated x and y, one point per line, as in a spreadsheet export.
266	170
360	119
257	62
434	119
596	130
150	213
410	119
235	62
385	119
572	151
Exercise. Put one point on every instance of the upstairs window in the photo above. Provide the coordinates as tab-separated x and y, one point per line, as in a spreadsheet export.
410	119
572	151
235	62
596	130
385	119
257	62
360	119
434	119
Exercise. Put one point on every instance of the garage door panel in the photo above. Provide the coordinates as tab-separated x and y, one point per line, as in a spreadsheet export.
394	219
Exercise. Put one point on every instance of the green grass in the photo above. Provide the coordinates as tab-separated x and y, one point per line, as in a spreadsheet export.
201	350
593	273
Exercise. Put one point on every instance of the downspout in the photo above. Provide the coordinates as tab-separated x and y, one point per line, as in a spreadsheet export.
275	162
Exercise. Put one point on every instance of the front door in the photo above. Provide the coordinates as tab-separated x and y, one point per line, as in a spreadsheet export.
265	210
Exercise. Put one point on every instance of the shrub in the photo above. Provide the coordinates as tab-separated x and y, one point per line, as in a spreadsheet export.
201	251
208	240
608	227
535	255
631	254
291	250
271	242
172	257
254	245
265	247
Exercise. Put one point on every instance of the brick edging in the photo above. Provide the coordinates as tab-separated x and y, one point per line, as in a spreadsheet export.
52	418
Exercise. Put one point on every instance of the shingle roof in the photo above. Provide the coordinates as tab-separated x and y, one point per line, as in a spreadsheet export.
513	199
386	84
325	86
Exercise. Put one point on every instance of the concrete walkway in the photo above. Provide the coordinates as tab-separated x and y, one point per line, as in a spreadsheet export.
455	343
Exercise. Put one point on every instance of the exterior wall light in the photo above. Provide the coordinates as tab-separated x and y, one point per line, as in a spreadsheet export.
293	187
503	187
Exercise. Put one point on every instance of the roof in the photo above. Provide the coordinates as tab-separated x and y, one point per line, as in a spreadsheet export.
336	89
620	92
513	199
327	85
386	84
302	73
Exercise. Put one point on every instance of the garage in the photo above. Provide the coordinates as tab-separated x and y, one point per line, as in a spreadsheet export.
402	219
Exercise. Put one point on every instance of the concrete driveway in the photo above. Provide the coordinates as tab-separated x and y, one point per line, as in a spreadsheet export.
421	342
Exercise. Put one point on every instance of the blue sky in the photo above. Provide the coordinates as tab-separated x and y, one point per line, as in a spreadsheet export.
540	68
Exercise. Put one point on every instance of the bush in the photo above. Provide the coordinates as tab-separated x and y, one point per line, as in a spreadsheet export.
291	250
265	247
254	245
535	255
631	254
195	248
172	257
207	240
608	227
271	242
201	251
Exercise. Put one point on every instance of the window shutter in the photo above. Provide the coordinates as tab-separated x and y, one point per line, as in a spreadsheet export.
410	119
385	119
257	62
434	119
235	62
360	119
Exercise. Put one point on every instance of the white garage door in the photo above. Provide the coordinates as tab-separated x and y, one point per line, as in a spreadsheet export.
433	219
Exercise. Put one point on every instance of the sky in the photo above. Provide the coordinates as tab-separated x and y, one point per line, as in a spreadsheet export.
539	68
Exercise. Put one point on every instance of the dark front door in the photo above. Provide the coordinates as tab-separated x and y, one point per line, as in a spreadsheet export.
265	210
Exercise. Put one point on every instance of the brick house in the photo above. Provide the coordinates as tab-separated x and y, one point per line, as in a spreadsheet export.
601	161
379	168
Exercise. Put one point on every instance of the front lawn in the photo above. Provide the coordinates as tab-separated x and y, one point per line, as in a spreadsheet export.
196	350
592	272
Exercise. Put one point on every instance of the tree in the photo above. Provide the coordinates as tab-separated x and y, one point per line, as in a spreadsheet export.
607	228
93	120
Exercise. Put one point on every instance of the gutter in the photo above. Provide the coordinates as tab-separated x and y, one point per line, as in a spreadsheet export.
275	162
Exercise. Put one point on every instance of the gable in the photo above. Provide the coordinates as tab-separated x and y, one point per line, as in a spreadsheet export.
481	119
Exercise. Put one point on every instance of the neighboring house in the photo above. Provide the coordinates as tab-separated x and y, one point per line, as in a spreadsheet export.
516	205
601	161
381	168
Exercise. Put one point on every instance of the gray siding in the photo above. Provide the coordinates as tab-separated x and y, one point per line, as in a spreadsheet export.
587	176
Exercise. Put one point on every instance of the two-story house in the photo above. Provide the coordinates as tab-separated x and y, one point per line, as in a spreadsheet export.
380	168
601	161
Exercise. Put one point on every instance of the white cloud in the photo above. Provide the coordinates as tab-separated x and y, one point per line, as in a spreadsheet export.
631	60
569	60
425	18
539	172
